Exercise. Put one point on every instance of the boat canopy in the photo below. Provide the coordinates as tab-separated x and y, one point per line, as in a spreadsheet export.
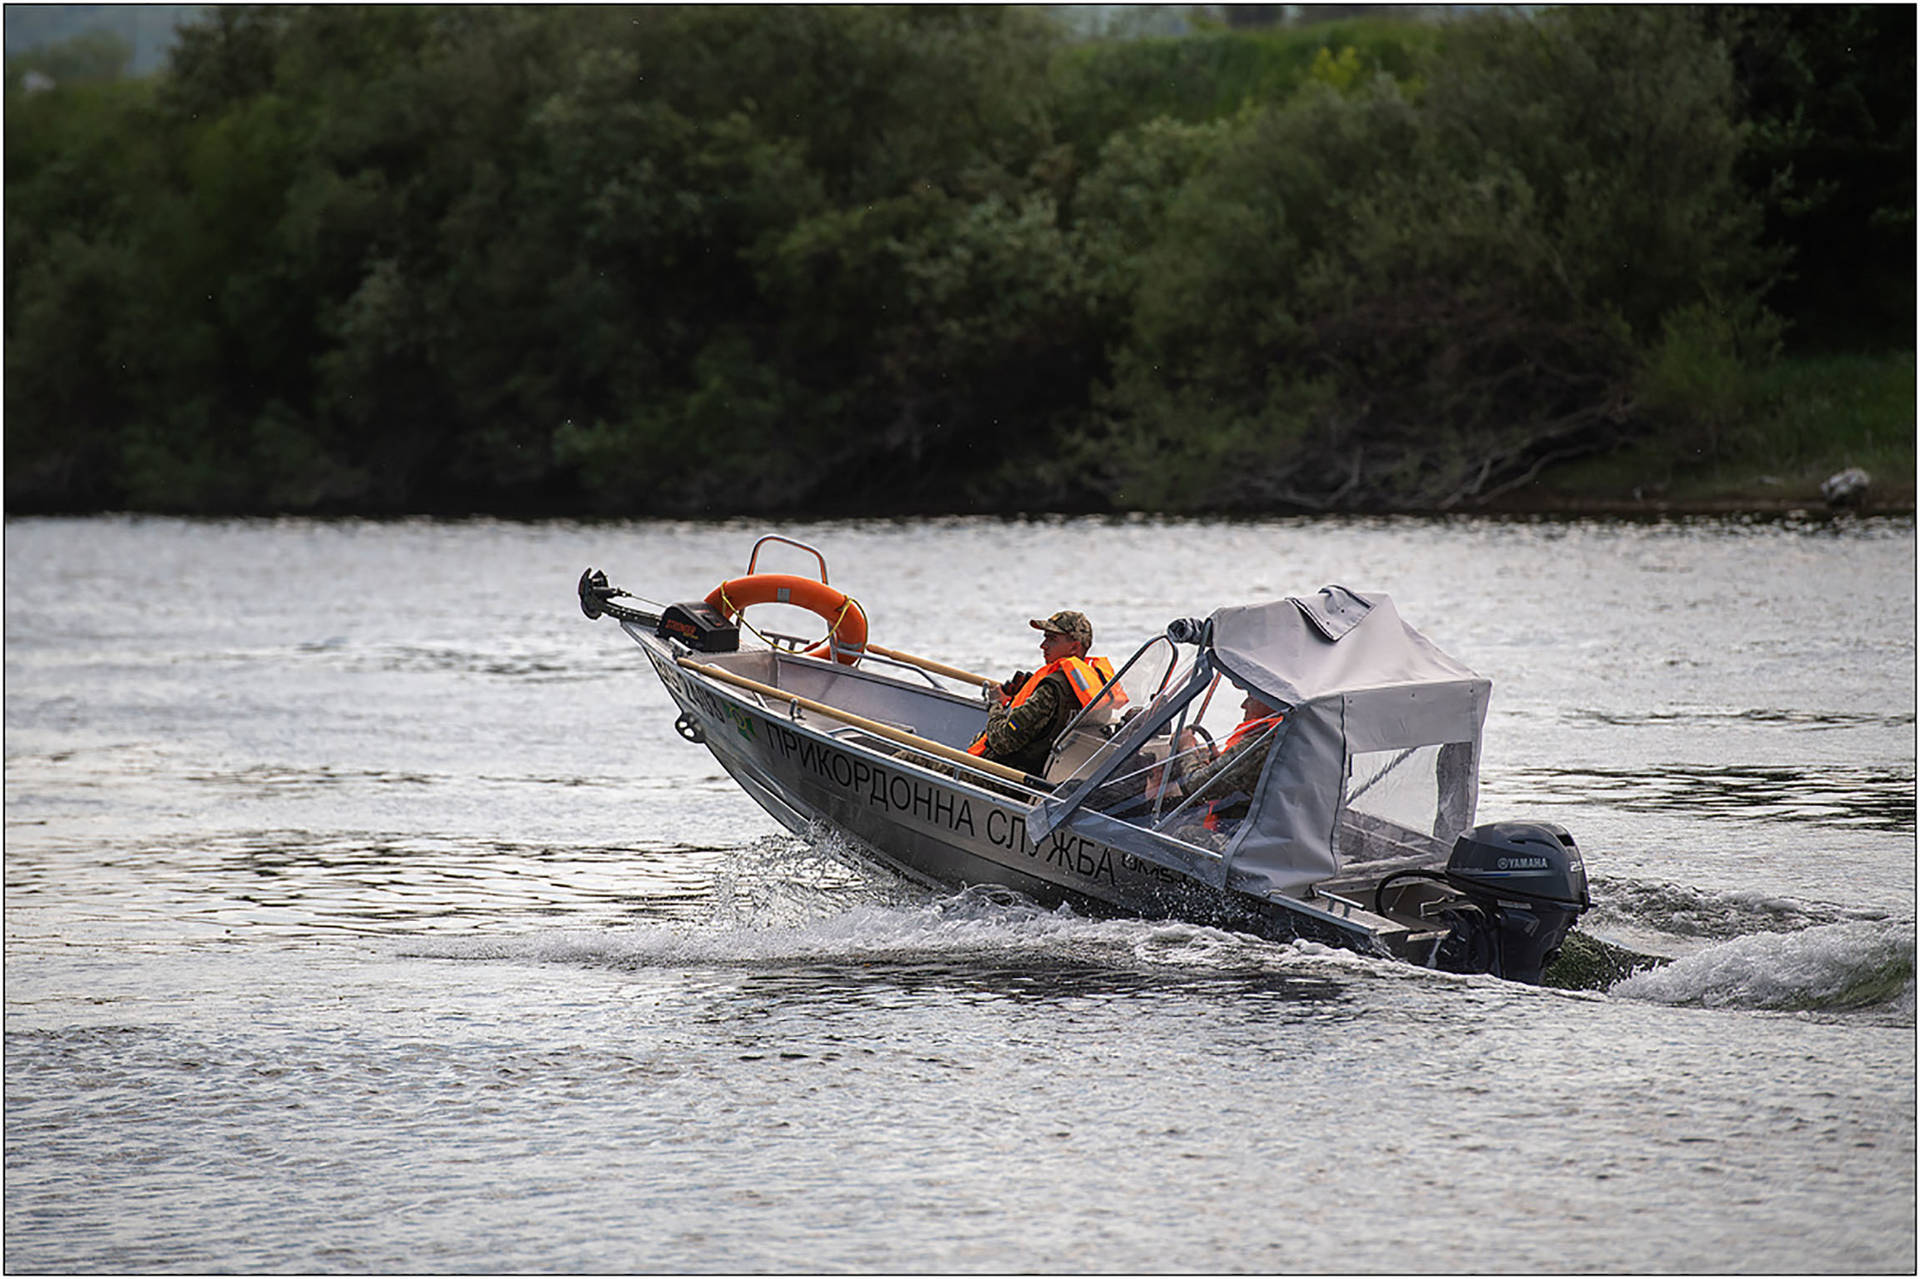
1373	754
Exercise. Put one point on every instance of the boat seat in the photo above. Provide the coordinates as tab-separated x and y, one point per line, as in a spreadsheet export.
1075	747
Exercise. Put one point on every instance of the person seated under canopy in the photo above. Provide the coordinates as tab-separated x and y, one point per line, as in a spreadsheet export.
1223	779
1230	774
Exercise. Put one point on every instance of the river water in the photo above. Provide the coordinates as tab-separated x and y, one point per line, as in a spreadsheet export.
364	913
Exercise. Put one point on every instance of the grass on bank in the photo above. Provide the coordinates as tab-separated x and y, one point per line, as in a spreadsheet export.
1793	424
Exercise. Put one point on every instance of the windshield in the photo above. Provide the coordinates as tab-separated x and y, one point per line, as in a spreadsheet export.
1194	776
1135	689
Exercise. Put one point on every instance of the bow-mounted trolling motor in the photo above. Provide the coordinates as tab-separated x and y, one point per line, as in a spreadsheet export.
1517	889
696	624
597	598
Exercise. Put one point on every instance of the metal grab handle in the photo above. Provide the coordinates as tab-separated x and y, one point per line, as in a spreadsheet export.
754	558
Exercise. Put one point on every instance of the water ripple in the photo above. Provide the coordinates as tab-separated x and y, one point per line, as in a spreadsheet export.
1864	796
1707	717
1679	910
295	883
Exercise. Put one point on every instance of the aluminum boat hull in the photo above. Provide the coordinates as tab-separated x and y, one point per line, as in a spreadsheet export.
945	831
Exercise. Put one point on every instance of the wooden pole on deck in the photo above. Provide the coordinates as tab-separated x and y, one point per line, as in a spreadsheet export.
887	731
928	664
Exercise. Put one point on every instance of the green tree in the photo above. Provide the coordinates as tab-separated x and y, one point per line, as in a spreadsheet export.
1830	93
89	57
79	159
1373	298
721	259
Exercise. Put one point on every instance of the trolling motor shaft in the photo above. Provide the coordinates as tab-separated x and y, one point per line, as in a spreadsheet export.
597	596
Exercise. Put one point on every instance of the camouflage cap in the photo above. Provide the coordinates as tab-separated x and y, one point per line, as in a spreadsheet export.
1069	623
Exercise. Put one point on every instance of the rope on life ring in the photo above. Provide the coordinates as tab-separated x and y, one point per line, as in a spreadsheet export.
846	620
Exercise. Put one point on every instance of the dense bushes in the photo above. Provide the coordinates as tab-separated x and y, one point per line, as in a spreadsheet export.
729	259
1378	298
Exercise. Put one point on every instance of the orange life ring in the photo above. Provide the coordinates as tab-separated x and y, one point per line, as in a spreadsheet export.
846	620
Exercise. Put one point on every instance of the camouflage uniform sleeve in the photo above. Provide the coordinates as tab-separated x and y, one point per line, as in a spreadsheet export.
1009	730
1237	770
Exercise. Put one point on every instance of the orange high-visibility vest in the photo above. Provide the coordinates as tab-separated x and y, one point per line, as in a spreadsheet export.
1085	676
1088	676
1247	729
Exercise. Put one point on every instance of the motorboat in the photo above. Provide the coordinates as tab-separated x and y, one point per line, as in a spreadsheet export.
1347	817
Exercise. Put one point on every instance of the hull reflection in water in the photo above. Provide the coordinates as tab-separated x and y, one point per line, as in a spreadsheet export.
1344	815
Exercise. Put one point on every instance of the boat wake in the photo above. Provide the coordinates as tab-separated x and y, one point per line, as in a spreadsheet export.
786	908
984	925
817	909
1691	913
1756	950
1828	967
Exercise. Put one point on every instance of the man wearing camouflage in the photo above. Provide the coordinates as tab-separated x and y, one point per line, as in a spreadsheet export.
1031	709
1230	776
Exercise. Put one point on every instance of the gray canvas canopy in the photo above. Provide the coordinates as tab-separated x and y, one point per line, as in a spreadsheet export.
1376	756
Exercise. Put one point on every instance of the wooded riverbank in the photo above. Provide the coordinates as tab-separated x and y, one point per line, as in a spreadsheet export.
727	260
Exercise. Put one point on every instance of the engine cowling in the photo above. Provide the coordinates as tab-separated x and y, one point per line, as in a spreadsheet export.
1527	885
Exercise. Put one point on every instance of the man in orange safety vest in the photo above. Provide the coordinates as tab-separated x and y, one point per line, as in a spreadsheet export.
1032	709
1233	772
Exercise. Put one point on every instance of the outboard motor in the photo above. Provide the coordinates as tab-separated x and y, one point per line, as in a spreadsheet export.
1525	885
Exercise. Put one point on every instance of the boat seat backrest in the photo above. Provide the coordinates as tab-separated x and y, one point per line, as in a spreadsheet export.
1075	747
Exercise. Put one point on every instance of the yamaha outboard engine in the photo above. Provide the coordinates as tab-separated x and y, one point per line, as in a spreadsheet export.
1525	886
